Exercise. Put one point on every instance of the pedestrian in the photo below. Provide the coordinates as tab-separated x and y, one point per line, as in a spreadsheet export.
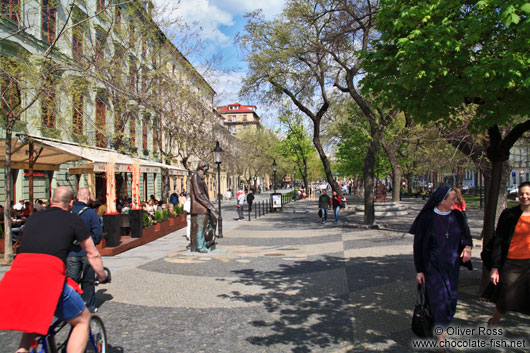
174	199
77	266
240	200
250	200
442	242
460	204
19	206
510	260
335	205
323	203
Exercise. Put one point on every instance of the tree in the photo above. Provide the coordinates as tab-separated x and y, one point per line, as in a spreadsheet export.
313	47
296	146
434	58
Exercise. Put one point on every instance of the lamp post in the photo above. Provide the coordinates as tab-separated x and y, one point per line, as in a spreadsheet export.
294	176
274	166
218	155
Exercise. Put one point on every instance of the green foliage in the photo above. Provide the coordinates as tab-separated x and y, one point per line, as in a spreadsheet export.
165	215
179	209
434	57
147	222
158	216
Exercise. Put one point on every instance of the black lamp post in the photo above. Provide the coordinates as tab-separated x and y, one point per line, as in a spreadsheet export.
274	166
218	155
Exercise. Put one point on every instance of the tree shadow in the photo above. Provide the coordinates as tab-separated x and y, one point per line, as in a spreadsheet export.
355	305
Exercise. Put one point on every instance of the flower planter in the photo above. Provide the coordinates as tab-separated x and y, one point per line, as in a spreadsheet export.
136	223
111	227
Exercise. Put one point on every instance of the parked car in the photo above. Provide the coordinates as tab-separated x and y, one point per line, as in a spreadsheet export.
512	192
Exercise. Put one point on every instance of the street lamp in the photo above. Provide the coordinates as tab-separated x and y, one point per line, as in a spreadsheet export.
218	155
274	166
294	176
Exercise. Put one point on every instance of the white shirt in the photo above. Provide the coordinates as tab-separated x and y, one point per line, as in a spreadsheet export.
19	206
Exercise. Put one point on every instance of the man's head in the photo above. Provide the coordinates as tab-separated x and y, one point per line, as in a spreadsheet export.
324	191
83	195
21	201
63	197
203	166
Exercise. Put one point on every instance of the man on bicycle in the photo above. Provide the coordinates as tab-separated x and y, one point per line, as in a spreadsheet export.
35	288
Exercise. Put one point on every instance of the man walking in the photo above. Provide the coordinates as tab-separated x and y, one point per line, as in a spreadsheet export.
250	200
77	266
323	203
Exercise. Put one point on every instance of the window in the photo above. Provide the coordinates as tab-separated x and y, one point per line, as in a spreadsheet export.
11	9
100	4
132	78
132	132
155	139
48	21
144	135
77	114
77	43
48	104
101	112
117	20
9	89
100	52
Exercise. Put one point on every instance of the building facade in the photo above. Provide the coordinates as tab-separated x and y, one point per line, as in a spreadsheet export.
238	117
97	77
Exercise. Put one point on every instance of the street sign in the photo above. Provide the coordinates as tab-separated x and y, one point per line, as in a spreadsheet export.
521	172
513	174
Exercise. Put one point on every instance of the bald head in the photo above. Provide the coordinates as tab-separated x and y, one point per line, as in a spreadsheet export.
83	195
62	197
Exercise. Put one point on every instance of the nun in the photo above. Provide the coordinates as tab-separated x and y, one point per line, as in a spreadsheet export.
442	243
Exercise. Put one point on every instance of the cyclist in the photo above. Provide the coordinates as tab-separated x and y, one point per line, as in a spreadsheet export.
35	287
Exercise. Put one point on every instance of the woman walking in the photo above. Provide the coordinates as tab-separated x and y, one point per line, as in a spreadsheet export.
442	242
511	258
335	205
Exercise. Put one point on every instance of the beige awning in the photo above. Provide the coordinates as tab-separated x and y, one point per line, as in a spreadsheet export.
52	153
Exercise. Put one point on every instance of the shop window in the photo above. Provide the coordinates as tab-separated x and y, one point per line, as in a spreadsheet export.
48	20
11	9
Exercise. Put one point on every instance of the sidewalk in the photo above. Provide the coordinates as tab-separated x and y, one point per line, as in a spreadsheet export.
281	283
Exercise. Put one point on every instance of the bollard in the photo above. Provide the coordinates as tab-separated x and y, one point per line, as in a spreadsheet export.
255	213
249	213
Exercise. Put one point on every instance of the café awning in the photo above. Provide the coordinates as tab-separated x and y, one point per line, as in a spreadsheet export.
51	154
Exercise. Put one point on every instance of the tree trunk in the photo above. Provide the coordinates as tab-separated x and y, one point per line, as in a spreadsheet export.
409	182
8	249
165	185
396	170
369	176
324	158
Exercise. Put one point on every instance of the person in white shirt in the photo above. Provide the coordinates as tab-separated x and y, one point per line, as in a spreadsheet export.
240	197
19	206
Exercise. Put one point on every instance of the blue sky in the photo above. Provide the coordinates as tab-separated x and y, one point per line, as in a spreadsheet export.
218	21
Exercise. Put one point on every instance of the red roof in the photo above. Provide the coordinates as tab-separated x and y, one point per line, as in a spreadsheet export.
238	108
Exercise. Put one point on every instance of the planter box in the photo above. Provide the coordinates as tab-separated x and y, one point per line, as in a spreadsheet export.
148	235
111	227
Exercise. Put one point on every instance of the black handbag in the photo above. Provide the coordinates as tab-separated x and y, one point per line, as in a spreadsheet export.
320	212
422	322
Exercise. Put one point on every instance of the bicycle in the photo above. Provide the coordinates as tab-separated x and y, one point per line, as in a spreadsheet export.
56	340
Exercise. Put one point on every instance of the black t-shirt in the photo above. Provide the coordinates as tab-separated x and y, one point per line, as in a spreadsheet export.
53	232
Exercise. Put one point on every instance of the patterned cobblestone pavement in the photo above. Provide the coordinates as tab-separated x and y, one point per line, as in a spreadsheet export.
281	283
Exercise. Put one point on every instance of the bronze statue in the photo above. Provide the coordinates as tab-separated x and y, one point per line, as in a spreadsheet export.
203	218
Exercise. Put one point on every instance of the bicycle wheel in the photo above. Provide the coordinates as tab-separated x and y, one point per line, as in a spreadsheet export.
97	339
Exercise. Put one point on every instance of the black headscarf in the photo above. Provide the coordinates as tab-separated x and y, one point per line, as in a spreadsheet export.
437	197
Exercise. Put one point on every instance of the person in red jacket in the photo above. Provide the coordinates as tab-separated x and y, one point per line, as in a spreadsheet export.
35	288
335	205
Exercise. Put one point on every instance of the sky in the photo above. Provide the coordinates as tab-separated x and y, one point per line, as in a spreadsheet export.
218	22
